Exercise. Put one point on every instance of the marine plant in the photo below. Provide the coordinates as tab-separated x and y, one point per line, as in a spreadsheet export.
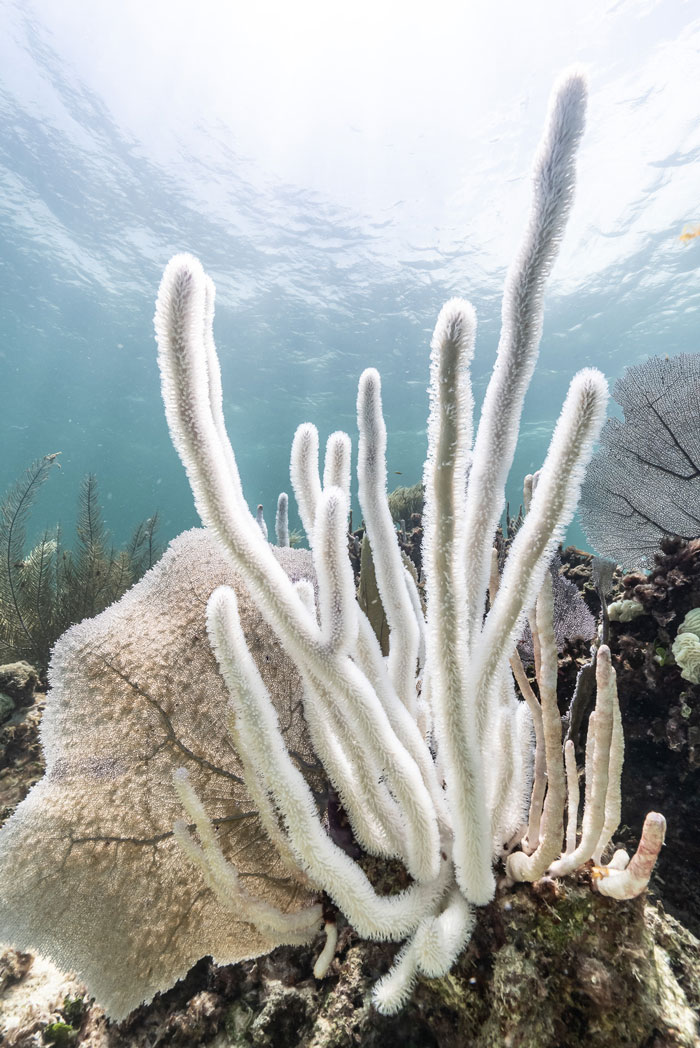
45	590
197	728
643	483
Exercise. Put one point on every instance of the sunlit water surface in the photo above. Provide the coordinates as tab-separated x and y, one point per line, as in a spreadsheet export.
338	194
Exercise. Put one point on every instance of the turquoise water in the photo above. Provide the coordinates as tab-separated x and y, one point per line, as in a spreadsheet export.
334	221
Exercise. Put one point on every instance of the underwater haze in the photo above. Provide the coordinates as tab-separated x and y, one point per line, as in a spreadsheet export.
340	170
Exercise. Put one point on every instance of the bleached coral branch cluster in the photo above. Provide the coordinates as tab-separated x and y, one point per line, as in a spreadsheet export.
183	805
430	748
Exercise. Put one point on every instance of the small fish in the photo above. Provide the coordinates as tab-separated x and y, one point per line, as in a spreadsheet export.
690	231
398	472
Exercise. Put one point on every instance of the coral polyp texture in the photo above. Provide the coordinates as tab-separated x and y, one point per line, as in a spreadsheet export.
195	731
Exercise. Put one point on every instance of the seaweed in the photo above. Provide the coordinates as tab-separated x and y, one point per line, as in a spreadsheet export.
49	588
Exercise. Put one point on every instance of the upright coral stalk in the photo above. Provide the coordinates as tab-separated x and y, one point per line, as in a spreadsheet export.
522	867
304	474
429	749
445	477
522	313
598	782
362	711
378	763
629	882
390	572
282	520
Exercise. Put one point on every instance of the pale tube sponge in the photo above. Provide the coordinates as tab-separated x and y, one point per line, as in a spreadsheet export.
441	780
282	519
260	521
444	477
519	866
551	510
352	762
598	768
336	464
371	661
404	634
336	586
325	958
329	867
433	949
613	796
553	187
212	371
356	774
206	454
353	769
573	794
304	474
429	750
629	882
539	768
336	473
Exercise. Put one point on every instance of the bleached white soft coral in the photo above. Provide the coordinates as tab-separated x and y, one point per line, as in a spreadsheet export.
428	749
443	818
